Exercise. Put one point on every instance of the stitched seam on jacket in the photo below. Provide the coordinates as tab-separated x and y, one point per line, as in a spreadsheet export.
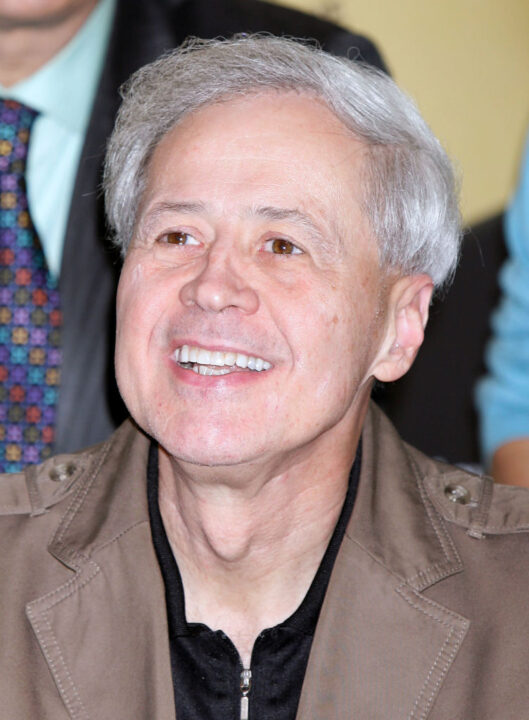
430	673
432	574
80	496
449	657
120	535
435	518
60	590
487	530
32	490
480	515
376	560
403	582
440	675
65	692
432	604
73	688
502	530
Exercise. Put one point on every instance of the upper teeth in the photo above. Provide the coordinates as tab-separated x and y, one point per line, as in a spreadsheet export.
200	356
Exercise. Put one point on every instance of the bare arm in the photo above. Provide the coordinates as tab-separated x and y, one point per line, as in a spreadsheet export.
510	463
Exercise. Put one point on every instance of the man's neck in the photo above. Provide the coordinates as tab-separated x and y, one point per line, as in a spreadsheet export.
248	552
26	46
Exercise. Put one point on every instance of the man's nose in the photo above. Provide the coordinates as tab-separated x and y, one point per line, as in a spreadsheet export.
218	285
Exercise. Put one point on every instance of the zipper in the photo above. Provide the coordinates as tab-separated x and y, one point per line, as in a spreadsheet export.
246	684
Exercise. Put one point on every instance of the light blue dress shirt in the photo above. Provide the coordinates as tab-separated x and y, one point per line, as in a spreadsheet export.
503	395
62	91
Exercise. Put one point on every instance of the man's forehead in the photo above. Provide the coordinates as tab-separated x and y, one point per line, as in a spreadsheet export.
288	147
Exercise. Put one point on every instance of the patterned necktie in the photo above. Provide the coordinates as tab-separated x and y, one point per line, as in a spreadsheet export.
30	316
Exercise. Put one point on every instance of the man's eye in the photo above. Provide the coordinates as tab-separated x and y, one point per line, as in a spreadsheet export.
178	237
280	246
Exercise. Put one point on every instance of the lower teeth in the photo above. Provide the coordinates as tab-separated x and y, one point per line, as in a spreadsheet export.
207	369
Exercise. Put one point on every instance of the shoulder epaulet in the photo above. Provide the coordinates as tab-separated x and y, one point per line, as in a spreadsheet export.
479	504
39	487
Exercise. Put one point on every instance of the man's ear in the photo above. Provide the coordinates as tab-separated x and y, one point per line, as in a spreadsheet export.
408	305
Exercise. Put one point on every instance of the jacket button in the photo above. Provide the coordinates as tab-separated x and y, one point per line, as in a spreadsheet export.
62	471
457	494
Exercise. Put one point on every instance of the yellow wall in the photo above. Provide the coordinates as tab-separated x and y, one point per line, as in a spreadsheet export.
466	63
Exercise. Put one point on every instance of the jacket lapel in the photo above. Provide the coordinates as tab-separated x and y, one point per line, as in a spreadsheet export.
381	648
104	632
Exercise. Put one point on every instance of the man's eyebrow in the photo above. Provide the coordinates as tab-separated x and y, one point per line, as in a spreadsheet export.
291	215
161	208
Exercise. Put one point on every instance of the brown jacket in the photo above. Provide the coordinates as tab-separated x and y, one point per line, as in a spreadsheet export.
426	614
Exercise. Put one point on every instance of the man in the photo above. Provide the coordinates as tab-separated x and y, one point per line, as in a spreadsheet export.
257	541
66	59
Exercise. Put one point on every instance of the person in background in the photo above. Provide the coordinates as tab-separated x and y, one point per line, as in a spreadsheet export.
503	395
61	64
257	541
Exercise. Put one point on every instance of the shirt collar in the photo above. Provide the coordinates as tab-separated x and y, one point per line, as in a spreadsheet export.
64	87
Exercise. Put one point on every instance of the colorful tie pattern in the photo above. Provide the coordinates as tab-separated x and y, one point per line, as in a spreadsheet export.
30	316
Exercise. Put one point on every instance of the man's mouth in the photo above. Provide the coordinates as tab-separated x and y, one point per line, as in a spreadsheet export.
216	362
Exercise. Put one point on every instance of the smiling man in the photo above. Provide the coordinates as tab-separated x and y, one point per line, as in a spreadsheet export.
257	542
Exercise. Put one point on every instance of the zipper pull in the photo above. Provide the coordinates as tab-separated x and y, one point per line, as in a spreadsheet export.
246	683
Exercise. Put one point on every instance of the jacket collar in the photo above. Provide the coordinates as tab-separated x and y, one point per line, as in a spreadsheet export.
394	521
109	500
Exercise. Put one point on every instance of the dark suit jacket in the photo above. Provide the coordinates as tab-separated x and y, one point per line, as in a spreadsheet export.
89	405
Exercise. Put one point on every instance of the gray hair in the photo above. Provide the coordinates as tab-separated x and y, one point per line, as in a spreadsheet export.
409	193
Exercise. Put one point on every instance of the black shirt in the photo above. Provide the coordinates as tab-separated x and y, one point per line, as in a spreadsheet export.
206	666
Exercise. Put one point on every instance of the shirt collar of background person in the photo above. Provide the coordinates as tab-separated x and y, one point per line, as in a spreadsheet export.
64	87
62	91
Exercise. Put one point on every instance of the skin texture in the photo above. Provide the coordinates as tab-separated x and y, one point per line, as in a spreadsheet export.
510	463
254	466
33	31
